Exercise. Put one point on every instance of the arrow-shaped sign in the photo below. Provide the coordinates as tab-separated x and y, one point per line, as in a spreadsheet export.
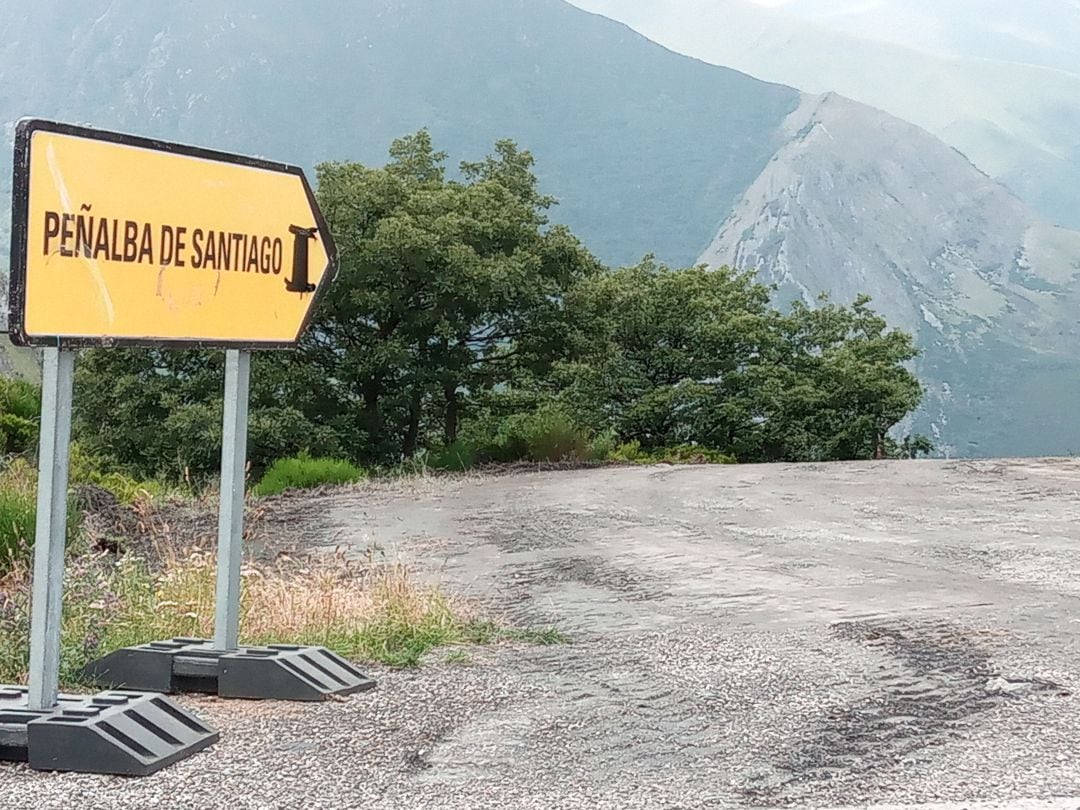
120	240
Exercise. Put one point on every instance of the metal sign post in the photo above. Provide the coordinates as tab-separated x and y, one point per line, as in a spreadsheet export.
118	733
221	666
231	510
198	259
50	534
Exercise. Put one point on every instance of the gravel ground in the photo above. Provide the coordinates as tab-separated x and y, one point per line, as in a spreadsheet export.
888	634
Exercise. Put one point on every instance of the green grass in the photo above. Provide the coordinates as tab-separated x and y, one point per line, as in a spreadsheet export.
304	472
364	611
18	501
20	398
18	511
396	644
20	404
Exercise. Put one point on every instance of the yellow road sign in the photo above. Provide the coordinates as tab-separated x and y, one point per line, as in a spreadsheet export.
120	240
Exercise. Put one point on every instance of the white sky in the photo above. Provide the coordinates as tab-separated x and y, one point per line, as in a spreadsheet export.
1043	32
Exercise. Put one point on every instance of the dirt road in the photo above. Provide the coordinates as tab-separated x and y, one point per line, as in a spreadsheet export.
892	633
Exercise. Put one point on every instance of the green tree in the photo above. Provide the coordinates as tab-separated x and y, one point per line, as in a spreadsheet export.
836	384
662	356
910	447
155	412
667	357
459	304
447	289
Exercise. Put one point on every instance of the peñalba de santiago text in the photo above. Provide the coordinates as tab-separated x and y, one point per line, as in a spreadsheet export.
128	241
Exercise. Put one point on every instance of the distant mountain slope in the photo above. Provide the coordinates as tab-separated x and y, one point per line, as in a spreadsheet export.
1017	121
625	131
860	202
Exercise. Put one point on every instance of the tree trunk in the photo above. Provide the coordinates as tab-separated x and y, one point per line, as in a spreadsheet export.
371	415
450	429
412	433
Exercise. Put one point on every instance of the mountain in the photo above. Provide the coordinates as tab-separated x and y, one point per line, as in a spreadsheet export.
625	131
860	202
965	70
648	151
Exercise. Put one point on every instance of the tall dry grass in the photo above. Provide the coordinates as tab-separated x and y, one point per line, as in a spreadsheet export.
366	610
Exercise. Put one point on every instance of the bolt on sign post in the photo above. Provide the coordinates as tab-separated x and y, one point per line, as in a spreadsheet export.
125	241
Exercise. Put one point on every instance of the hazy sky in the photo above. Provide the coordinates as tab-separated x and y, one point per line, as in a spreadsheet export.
1041	32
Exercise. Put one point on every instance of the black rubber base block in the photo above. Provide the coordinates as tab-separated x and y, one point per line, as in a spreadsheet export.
276	672
120	732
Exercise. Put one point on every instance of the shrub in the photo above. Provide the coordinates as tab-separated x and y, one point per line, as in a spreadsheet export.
20	405
551	435
603	445
546	434
128	490
17	435
86	468
304	472
460	455
629	452
690	454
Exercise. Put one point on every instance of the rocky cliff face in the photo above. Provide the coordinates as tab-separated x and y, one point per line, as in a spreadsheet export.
859	202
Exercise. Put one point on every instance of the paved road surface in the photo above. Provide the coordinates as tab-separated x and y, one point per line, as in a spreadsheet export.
811	636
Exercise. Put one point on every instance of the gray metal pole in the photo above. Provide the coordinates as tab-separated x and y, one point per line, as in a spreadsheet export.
50	533
231	514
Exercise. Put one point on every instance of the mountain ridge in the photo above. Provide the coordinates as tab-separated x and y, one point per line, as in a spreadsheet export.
274	79
1019	123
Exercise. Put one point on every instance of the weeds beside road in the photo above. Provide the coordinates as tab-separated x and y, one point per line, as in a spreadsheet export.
366	611
145	570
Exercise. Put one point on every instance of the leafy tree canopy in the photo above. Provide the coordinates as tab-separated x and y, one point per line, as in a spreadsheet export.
459	310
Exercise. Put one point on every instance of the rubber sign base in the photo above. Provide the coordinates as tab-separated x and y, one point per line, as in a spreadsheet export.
122	733
276	672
